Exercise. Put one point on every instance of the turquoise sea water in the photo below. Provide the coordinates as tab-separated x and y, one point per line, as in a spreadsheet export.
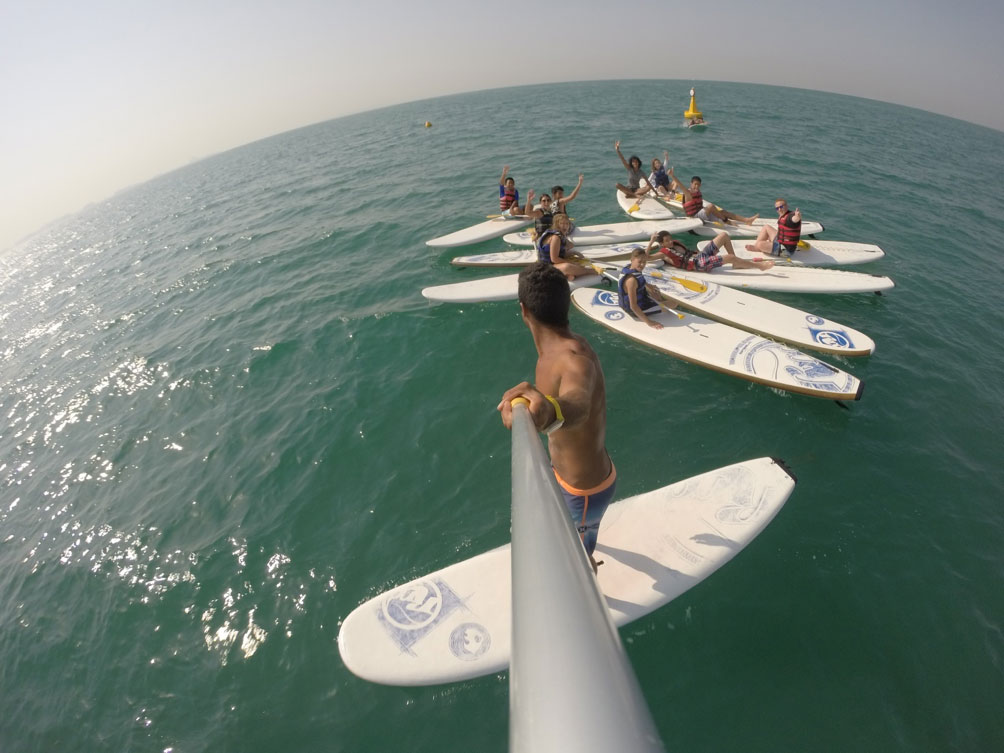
229	417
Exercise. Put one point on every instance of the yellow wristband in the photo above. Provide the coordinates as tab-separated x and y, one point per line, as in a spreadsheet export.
559	419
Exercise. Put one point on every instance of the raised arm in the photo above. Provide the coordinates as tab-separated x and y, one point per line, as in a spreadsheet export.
530	210
617	148
505	173
574	193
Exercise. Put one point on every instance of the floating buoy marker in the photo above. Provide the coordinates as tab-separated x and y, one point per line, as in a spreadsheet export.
428	124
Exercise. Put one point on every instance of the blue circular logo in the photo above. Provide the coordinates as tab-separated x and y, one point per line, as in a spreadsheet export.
414	607
469	641
831	338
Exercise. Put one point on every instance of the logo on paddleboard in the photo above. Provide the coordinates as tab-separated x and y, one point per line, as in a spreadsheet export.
831	338
413	612
469	641
813	319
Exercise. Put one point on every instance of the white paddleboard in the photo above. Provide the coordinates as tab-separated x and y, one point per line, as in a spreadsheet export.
814	253
760	315
526	256
723	348
615	232
651	209
711	229
500	288
455	624
483	231
646	208
788	278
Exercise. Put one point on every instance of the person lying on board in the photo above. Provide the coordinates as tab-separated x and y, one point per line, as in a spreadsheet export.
636	296
662	245
568	402
694	206
554	247
634	188
508	194
782	239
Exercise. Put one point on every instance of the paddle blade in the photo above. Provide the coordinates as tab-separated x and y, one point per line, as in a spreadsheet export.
697	287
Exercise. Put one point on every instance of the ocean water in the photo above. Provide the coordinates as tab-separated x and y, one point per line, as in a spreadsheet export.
229	417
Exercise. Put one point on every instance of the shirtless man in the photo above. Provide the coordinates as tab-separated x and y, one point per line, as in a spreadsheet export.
694	206
567	401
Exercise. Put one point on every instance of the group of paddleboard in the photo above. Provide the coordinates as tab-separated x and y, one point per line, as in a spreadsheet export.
733	332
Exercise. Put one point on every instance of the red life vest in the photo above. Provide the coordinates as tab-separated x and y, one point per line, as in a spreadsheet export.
695	205
507	197
788	232
679	259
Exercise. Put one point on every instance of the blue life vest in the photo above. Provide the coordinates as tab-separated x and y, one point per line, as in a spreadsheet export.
544	246
645	302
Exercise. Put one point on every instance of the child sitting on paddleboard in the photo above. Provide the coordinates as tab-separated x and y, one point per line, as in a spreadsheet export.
508	194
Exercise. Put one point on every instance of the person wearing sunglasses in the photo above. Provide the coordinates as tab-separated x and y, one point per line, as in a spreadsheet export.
782	239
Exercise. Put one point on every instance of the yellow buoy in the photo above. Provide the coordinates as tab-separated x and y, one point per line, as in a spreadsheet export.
428	124
692	111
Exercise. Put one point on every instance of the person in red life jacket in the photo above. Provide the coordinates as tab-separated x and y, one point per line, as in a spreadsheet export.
636	296
555	247
508	195
662	245
636	176
694	206
782	239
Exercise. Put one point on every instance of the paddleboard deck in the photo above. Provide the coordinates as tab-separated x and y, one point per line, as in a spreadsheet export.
483	231
651	209
455	624
760	315
615	232
815	253
521	258
723	348
498	288
789	278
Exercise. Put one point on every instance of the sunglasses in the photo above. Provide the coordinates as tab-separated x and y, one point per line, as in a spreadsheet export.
780	207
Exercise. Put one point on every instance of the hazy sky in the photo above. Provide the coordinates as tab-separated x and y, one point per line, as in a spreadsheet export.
104	94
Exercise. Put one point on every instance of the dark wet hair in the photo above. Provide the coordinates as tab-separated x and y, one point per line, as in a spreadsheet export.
634	158
544	196
508	178
697	178
544	292
555	189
